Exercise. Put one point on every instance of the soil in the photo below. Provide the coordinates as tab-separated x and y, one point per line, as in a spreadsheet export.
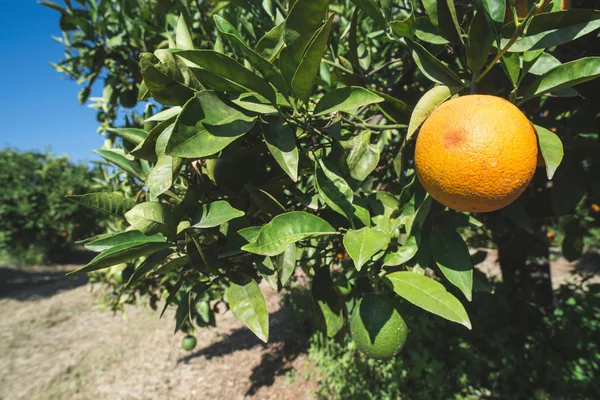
54	345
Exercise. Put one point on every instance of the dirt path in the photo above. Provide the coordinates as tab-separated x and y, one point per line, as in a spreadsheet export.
54	346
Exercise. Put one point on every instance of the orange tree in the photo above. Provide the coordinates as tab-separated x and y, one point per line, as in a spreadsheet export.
285	138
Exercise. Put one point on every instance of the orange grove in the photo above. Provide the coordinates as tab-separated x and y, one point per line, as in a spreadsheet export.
476	153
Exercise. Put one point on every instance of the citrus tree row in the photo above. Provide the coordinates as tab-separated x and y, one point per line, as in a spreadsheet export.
286	138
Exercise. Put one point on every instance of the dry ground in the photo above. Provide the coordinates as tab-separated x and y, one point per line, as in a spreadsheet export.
54	346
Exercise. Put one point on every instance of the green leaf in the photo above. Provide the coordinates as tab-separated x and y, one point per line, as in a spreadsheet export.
121	253
495	9
564	76
216	213
286	229
183	39
267	69
404	253
230	70
111	203
442	14
151	218
418	218
118	158
511	63
281	141
164	172
172	265
147	149
164	115
206	126
172	293
479	42
244	236
264	201
304	77
265	267
543	63
304	19
248	305
271	43
345	99
360	158
333	189
286	263
451	255
132	135
552	29
328	306
362	244
428	294
371	8
122	238
426	105
431	67
425	31
551	148
165	86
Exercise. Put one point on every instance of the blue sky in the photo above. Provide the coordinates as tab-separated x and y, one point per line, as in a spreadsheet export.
38	106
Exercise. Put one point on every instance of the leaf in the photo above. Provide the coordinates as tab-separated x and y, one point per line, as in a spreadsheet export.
479	42
362	244
495	9
147	149
163	85
216	213
304	19
164	115
418	218
451	255
442	14
551	148
111	203
132	135
162	175
361	157
183	39
264	201
229	69
552	29
267	69
128	237
265	267
206	126
333	189
172	265
244	236
248	305
286	229
286	263
511	63
426	105
428	294
425	31
304	77
121	253
431	67
564	76
118	158
151	218
370	8
271	43
344	99
328	305
404	253
281	141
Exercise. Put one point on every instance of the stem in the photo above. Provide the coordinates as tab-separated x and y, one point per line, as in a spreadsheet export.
498	56
377	127
338	66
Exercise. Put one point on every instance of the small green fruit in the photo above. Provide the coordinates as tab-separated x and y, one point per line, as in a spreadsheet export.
188	343
376	326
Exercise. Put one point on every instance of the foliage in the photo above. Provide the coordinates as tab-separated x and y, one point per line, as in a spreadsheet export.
552	354
36	223
285	138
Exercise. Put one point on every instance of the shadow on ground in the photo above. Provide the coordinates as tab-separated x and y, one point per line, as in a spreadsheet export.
287	342
28	284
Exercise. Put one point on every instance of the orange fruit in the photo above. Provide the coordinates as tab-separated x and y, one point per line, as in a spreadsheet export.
595	208
476	153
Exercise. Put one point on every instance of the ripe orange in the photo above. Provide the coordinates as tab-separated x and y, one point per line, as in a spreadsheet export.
595	208
476	153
